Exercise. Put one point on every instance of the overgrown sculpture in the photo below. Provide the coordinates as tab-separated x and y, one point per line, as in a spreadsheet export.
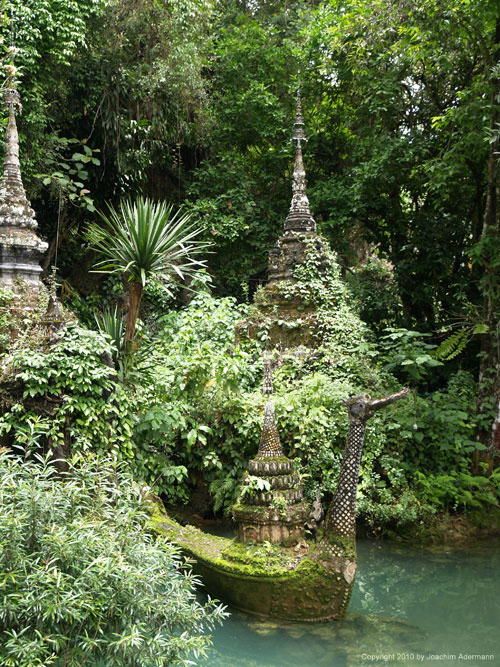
271	570
295	580
290	250
276	511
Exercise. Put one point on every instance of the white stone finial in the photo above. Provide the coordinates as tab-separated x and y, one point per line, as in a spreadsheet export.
299	217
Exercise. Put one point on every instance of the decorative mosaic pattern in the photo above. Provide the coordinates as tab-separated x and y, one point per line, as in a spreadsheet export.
341	517
343	507
267	380
263	467
270	443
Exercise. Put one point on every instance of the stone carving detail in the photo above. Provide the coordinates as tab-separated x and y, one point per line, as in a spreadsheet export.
299	217
20	247
289	249
341	516
270	443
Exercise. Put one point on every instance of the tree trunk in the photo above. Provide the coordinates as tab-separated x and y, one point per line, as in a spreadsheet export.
62	453
135	295
64	229
488	405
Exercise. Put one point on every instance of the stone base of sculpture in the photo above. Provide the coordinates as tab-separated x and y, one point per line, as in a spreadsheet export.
293	585
275	513
20	254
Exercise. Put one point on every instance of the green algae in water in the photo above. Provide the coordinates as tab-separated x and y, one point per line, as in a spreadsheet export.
409	607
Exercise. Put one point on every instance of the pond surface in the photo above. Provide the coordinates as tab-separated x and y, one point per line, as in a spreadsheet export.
408	607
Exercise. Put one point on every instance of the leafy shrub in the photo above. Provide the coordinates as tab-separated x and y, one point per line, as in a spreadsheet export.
434	434
406	354
71	382
459	490
6	298
191	366
111	324
82	581
376	290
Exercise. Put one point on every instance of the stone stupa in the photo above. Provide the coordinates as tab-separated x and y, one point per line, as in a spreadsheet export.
21	249
278	513
288	250
290	320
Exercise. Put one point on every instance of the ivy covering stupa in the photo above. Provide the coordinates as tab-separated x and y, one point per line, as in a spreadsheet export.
290	251
305	579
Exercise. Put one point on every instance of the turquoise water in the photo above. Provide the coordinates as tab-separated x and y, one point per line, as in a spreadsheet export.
409	607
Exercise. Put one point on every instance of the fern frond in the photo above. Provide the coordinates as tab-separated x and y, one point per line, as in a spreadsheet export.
452	346
223	492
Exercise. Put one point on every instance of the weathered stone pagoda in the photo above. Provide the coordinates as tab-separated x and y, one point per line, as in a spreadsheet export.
276	513
20	247
299	223
296	578
290	320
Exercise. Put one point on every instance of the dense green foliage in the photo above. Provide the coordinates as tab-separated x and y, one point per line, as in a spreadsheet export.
192	102
188	410
74	384
140	108
82	581
397	110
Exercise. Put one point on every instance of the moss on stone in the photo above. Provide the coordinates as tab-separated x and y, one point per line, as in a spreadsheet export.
266	580
346	545
255	512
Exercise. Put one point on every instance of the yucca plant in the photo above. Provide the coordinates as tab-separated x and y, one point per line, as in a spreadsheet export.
142	238
110	322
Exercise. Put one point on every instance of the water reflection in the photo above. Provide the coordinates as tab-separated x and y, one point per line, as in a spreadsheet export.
408	607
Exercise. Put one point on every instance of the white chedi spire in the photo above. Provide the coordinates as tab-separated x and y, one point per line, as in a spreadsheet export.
20	247
299	217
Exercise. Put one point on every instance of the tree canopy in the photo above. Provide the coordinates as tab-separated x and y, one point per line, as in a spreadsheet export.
192	102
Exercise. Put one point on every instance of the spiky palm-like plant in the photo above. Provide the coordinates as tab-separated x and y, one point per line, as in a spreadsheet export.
110	322
142	238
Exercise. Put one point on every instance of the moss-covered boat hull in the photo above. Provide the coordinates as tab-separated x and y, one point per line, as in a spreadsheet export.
280	585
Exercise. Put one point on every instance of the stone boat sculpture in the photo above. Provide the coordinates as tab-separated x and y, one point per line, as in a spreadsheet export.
270	570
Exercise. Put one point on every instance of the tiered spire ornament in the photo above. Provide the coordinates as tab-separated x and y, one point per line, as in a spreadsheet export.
299	217
12	170
257	515
20	247
270	443
290	248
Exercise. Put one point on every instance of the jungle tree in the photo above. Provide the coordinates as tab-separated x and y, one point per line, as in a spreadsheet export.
142	238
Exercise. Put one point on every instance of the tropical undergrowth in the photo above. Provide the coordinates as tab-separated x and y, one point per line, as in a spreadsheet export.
187	409
209	414
82	580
